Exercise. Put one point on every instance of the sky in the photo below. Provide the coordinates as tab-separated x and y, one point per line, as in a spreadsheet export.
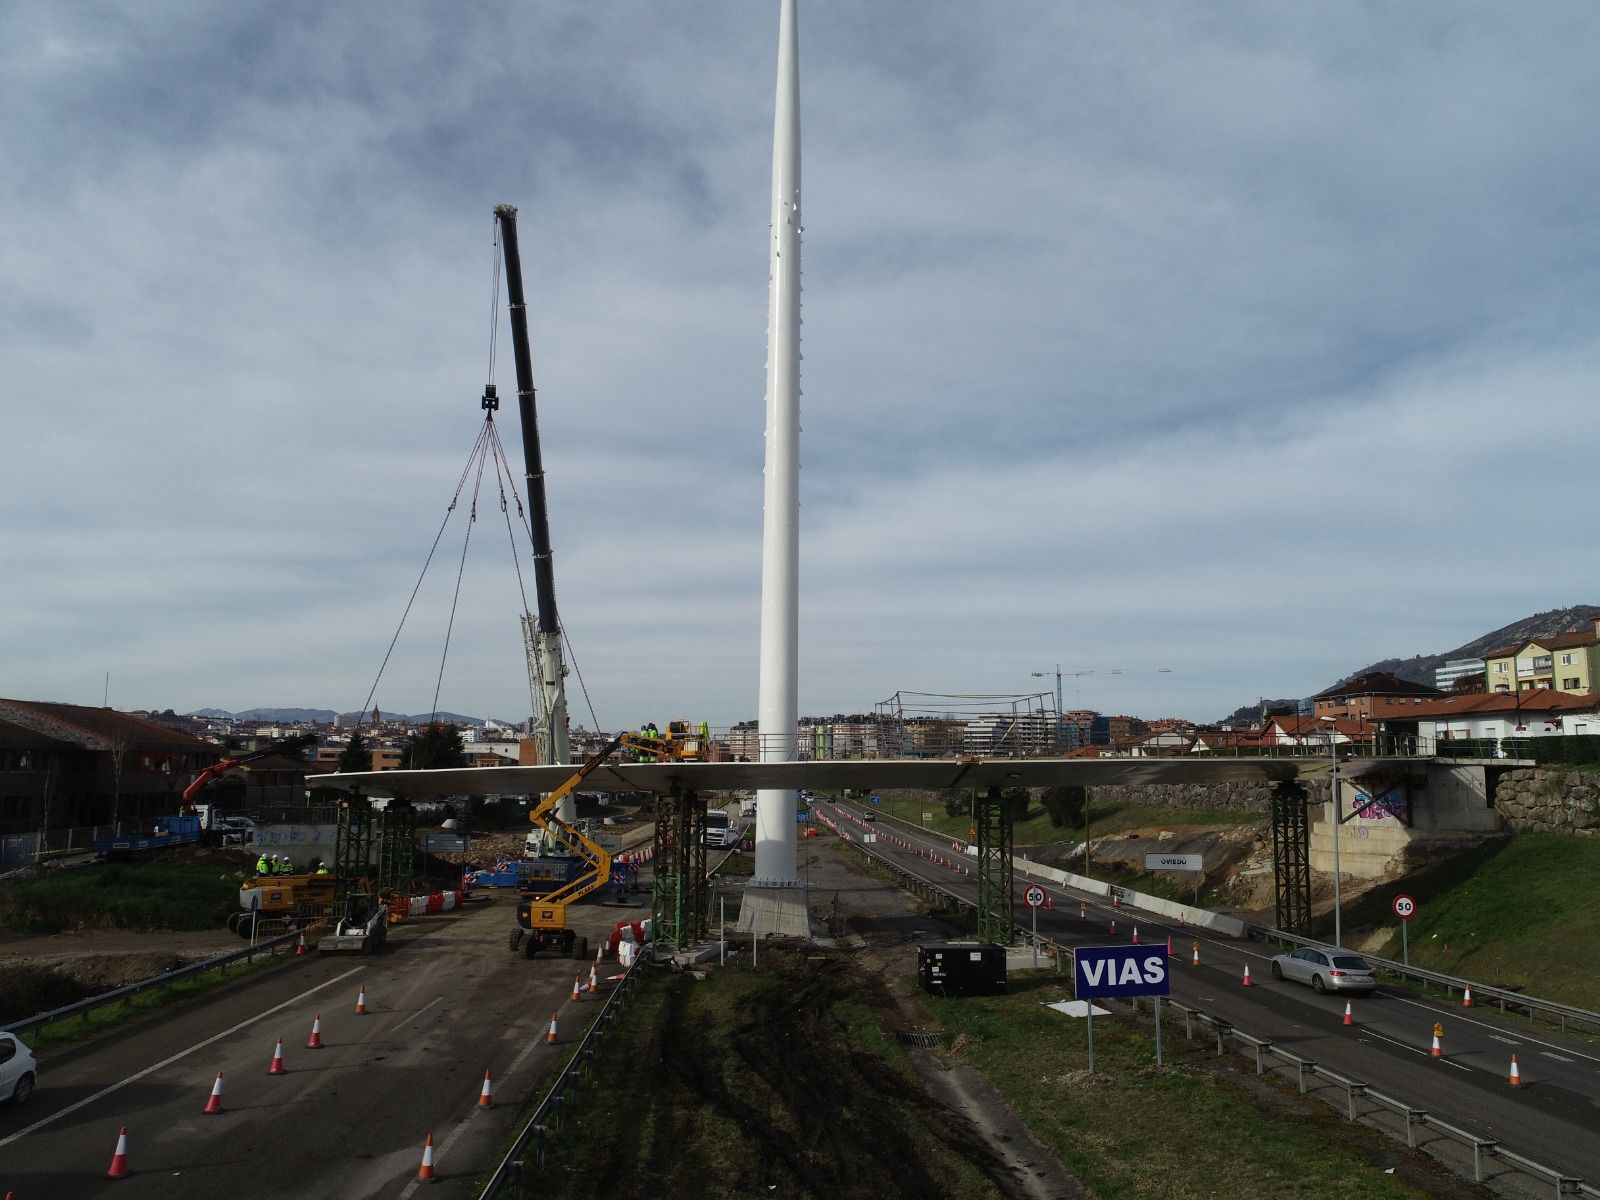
1198	352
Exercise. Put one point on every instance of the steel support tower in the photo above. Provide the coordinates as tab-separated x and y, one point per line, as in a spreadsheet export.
397	847
993	826
1291	857
678	888
352	855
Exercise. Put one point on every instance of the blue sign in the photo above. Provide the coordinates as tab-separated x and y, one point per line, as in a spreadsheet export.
875	800
1120	971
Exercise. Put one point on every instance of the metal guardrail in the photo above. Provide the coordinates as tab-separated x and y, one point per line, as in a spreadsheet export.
513	1171
1483	1149
83	1007
1505	1000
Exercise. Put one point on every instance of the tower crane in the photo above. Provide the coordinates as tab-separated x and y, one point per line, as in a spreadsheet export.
1059	673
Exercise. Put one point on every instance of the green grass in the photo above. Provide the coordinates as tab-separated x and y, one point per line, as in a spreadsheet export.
1105	820
1513	913
1134	1131
137	896
79	1029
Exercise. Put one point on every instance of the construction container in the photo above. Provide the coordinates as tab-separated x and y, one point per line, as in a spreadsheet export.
962	969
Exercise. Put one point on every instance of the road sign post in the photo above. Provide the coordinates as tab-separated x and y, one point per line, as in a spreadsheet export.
1034	898
1405	908
1120	971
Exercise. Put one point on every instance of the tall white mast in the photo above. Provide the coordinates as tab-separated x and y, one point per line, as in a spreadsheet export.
780	530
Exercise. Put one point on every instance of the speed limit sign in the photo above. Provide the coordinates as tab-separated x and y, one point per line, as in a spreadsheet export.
1404	907
1034	896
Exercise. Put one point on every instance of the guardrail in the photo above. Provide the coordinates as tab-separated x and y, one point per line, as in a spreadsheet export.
513	1170
83	1007
1482	1149
1505	1000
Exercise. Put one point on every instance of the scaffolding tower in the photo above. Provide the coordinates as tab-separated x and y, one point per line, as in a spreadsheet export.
678	887
993	827
1291	857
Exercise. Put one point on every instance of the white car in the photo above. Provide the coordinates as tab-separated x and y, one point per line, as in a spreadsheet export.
18	1069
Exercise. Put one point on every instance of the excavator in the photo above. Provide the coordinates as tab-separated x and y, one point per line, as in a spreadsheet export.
542	919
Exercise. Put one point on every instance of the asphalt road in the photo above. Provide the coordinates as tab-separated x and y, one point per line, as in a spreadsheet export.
445	1002
1553	1118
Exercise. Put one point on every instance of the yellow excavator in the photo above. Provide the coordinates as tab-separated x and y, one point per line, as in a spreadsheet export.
542	920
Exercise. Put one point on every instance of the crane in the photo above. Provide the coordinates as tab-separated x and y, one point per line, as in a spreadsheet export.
543	634
1058	673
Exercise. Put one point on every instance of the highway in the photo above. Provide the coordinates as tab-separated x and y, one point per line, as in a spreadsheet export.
444	1003
1553	1118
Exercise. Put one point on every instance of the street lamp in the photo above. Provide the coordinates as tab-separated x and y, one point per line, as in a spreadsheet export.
1333	788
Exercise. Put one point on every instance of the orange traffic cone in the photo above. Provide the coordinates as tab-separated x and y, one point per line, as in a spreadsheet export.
1169	945
593	982
1246	975
486	1097
301	948
1195	961
577	988
1083	909
314	1042
1438	1050
600	953
551	1036
277	1061
1113	928
119	1159
214	1105
1466	997
425	1171
1349	1017
1135	935
1516	1075
361	1002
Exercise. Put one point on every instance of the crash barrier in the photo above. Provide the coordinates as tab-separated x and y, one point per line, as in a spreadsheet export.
1201	918
421	906
270	945
1362	1102
1482	993
514	1178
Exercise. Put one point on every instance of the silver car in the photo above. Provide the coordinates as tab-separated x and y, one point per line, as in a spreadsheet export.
18	1069
1326	970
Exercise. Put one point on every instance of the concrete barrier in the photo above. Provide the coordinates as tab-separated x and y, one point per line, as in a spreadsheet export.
1200	917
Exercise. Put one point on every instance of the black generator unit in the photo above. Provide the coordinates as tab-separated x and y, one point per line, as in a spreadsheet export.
962	969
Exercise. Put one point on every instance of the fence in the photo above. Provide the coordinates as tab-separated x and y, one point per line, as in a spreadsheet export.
511	1176
84	1007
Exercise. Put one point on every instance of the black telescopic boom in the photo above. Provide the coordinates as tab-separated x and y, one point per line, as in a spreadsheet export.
544	581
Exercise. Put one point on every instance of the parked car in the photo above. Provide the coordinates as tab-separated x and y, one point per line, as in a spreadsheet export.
18	1069
235	831
1326	970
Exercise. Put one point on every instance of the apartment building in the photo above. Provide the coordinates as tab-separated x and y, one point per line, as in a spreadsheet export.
1567	662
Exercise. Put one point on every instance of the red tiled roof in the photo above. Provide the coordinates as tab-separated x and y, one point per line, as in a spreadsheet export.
99	728
1539	700
1377	683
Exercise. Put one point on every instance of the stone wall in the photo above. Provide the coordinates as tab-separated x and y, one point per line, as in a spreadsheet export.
1550	799
1252	797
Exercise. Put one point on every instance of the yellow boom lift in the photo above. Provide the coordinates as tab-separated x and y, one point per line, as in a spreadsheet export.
542	920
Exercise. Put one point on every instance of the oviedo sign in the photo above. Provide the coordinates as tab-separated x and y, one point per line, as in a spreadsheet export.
1120	971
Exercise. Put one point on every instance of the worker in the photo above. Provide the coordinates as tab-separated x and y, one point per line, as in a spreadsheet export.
285	867
322	869
705	732
262	866
652	731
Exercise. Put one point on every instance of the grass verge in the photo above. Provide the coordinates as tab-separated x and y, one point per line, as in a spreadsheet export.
1105	820
137	896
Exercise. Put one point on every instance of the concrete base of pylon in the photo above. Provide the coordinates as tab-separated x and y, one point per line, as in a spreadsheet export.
781	910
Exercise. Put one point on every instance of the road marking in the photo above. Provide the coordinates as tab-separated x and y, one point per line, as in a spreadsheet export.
167	1062
427	1006
1382	1038
1506	1040
1553	1054
1456	1015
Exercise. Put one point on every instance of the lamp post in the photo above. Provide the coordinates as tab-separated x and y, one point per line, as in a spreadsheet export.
1333	789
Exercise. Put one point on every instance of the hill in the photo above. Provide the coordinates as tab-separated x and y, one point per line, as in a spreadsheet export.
1419	668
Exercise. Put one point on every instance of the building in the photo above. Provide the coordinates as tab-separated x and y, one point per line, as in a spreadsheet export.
1446	677
68	764
1498	715
1567	662
1374	695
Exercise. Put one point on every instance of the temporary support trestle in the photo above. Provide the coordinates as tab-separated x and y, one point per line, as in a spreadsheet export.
993	825
678	901
1291	857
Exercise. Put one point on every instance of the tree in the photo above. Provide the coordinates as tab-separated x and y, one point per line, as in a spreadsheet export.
1065	803
956	801
357	755
1014	803
435	747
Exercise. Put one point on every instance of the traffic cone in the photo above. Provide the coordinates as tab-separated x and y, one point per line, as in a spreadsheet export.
1169	945
301	948
486	1097
1349	1017
1246	975
593	983
214	1105
551	1036
361	1002
577	989
1438	1050
600	953
1083	910
277	1061
425	1171
314	1042
1135	935
1113	928
1195	961
1466	997
119	1159
1516	1075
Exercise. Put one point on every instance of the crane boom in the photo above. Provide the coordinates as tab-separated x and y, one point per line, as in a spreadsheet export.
552	670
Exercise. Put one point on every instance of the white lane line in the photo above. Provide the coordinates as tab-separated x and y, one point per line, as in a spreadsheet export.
426	1007
461	1126
1370	1032
1455	1014
167	1062
1506	1040
1561	1057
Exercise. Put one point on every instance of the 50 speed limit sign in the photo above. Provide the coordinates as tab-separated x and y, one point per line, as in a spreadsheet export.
1034	896
1404	907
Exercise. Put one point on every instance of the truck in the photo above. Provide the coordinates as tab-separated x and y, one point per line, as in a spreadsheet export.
165	833
721	832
